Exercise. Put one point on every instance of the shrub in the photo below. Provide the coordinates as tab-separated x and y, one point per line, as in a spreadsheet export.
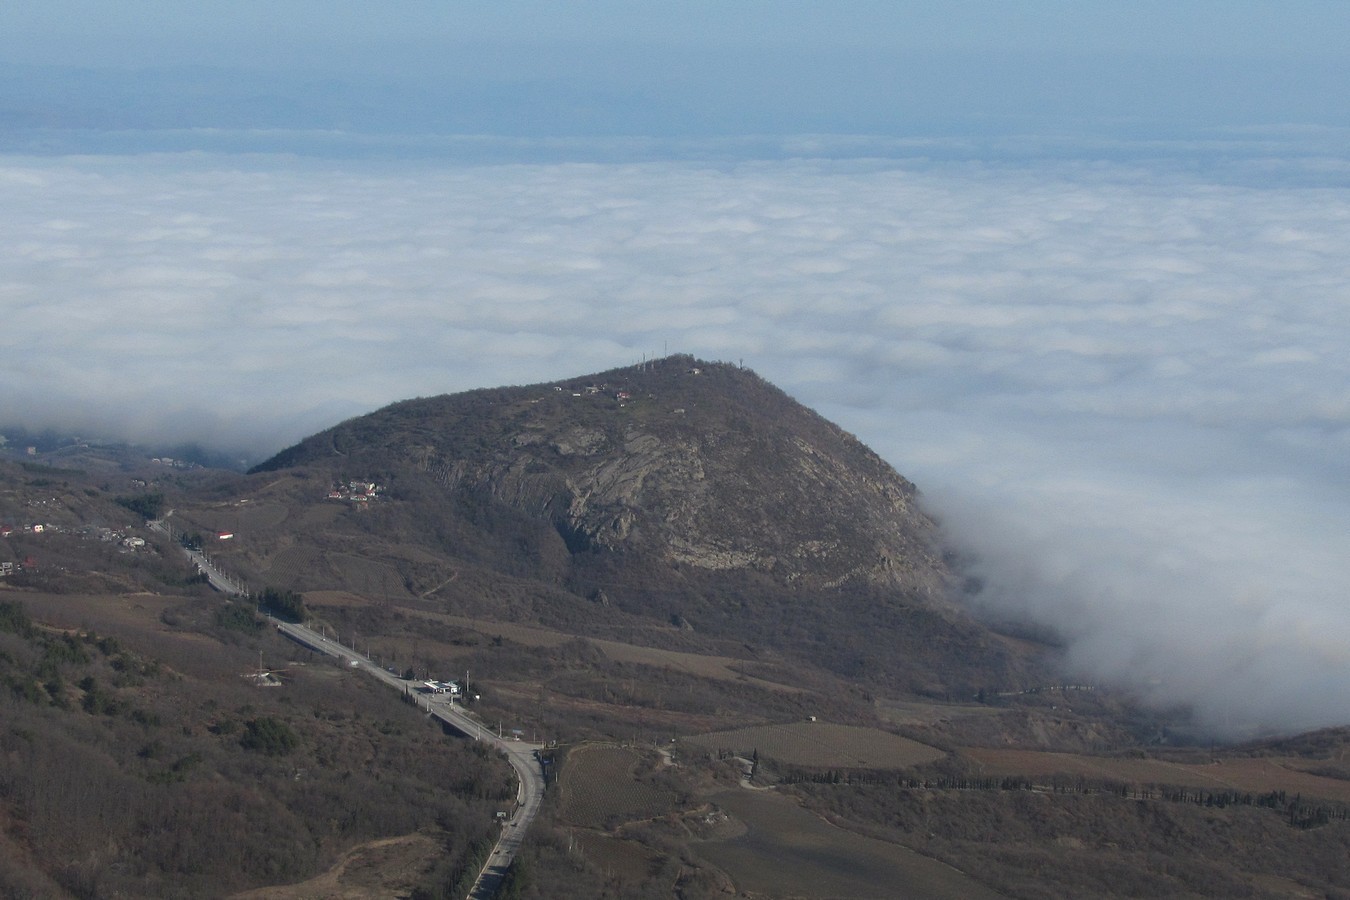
270	736
148	506
14	619
286	605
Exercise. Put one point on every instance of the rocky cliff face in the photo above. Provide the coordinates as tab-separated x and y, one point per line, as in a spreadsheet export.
695	464
685	494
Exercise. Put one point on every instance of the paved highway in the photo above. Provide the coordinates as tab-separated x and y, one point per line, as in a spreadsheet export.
219	580
522	756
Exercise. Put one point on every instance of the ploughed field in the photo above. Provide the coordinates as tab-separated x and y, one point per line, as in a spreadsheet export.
1256	774
822	745
618	807
599	789
786	851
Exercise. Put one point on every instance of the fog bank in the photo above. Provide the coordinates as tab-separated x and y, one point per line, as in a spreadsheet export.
1123	387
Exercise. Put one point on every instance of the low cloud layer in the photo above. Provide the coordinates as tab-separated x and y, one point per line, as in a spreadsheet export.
1123	388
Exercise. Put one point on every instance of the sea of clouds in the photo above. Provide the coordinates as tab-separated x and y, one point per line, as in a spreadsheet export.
1123	388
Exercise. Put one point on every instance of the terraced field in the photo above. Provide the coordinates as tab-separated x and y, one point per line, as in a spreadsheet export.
822	744
288	565
260	516
243	519
318	516
366	576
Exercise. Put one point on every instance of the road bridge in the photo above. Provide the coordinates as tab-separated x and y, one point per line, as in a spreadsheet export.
522	755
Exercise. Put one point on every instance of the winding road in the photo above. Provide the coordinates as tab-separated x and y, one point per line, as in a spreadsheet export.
523	756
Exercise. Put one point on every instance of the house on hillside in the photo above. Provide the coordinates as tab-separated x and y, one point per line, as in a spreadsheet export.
354	491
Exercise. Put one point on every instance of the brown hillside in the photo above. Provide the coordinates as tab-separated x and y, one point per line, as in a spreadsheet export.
693	494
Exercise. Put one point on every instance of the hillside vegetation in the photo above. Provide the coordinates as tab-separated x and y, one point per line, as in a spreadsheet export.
679	494
729	626
142	759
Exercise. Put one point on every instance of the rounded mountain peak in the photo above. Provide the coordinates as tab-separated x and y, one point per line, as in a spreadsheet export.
688	463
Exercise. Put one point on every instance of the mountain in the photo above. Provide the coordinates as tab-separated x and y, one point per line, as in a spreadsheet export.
699	465
720	616
692	493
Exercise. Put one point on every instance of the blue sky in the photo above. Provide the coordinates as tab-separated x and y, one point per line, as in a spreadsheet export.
603	69
1081	270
